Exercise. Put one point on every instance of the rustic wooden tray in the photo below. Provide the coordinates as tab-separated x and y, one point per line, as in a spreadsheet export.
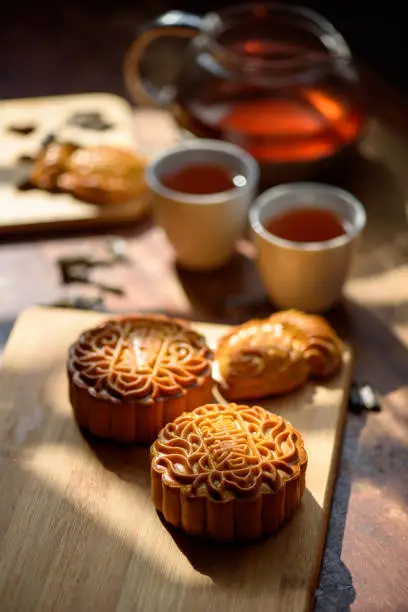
35	210
78	529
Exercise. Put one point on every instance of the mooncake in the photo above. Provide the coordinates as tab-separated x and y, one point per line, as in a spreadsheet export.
228	472
276	355
131	375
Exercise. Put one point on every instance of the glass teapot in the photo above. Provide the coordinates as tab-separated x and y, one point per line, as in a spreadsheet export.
277	80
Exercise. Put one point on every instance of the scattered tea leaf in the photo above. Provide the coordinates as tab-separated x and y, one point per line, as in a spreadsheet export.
22	130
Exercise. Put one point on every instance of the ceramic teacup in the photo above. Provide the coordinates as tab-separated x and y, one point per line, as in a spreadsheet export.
203	228
308	276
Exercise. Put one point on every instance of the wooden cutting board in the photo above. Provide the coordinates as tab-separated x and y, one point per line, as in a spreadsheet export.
78	529
35	210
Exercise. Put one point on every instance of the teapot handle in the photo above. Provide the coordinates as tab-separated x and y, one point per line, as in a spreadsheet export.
173	23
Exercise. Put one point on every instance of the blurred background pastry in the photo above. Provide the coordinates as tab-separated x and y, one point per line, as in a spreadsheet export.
104	175
97	174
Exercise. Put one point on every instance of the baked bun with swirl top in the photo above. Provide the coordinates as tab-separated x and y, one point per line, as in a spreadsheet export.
276	355
131	375
324	350
228	472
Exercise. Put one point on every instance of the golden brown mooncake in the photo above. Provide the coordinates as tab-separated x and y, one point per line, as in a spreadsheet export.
276	355
228	472
104	175
131	375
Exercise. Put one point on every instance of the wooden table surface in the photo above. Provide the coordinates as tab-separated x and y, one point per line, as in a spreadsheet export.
365	561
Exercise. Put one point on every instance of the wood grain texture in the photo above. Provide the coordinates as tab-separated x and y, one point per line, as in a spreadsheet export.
79	531
35	210
364	564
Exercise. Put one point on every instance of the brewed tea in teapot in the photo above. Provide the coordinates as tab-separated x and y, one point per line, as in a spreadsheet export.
277	80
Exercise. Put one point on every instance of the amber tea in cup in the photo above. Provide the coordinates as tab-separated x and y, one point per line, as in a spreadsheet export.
307	224
202	190
305	236
204	179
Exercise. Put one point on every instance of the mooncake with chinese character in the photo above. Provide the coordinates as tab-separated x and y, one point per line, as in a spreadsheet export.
228	472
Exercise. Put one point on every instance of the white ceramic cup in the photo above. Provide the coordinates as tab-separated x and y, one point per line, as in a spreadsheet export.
308	276
203	229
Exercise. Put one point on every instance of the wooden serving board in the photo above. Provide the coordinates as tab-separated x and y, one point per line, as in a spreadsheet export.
35	210
78	529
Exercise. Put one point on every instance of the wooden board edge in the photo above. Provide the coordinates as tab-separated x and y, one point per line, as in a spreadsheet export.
333	473
62	225
80	96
